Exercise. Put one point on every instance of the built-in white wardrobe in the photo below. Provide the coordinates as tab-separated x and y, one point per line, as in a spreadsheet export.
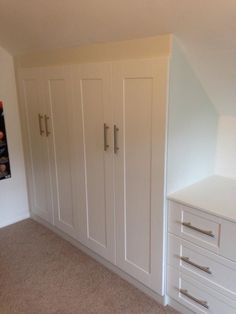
105	141
95	151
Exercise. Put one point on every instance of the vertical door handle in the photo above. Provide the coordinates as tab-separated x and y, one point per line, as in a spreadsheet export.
116	148
105	129
46	118
41	131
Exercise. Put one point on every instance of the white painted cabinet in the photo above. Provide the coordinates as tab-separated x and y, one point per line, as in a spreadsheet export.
45	92
138	91
36	143
201	254
100	161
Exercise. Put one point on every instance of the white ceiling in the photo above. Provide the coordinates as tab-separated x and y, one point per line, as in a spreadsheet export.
205	28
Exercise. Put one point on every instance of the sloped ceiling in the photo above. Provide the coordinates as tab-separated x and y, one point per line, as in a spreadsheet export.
205	29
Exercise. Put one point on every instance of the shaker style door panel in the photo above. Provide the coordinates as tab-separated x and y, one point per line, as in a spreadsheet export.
32	99
57	86
93	101
139	168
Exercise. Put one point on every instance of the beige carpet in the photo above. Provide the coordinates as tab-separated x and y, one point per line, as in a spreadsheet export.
42	273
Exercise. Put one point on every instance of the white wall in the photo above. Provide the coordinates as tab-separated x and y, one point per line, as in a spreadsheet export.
13	192
192	126
226	147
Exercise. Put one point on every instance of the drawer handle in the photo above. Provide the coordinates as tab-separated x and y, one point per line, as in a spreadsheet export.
201	302
189	225
203	268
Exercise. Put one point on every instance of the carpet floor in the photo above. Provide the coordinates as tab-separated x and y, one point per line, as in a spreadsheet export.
40	273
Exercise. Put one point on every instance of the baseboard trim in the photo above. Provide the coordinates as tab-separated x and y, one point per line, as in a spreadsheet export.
158	298
15	219
177	306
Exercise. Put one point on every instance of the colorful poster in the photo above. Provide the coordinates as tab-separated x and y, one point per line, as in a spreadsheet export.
5	171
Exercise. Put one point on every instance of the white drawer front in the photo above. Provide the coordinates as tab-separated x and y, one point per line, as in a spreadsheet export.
207	267
197	297
195	226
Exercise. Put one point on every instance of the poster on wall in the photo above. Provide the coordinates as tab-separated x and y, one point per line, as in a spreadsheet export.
5	171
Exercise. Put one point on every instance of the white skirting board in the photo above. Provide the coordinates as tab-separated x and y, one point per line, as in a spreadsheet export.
17	218
160	299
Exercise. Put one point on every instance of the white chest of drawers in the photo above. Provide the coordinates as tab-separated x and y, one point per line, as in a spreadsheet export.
201	246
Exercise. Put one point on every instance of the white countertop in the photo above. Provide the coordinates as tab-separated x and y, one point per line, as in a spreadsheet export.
215	195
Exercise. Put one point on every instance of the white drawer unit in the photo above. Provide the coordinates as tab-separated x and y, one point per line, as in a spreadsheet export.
201	250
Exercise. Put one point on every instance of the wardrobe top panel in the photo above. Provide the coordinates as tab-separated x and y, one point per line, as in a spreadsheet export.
149	47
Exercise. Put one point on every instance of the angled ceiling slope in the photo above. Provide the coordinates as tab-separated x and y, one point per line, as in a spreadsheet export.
205	29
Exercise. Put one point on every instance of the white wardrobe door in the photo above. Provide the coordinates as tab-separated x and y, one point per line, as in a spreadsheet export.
37	147
57	86
138	91
93	101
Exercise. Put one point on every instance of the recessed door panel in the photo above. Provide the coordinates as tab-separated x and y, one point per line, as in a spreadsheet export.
58	128
93	117
139	113
138	148
62	151
93	96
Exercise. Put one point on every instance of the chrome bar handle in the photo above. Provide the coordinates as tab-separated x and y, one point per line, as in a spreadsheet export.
41	131
105	129
206	232
46	118
201	302
203	268
116	148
